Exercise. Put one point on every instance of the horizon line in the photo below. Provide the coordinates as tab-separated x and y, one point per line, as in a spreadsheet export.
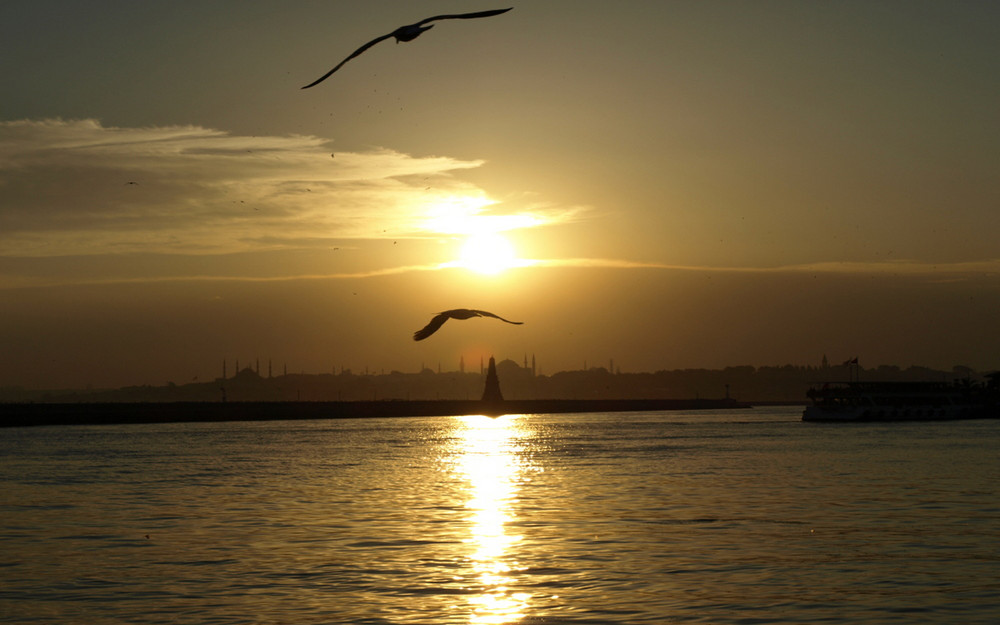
382	373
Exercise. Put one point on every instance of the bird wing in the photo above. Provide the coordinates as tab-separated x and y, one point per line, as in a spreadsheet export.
431	327
464	16
483	313
354	54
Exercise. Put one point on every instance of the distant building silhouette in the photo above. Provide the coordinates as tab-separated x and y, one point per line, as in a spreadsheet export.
786	384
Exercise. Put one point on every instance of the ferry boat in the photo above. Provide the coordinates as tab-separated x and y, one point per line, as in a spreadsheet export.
904	401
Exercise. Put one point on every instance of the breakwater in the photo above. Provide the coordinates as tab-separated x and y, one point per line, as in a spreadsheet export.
35	414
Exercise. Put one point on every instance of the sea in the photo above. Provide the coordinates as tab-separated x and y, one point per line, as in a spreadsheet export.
727	516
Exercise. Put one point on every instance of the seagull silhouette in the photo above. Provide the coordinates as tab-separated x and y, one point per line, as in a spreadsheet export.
408	33
458	313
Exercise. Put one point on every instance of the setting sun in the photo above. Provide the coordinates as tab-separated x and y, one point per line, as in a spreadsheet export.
487	253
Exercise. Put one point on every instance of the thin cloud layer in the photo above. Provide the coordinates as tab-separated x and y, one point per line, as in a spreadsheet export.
77	187
990	267
71	190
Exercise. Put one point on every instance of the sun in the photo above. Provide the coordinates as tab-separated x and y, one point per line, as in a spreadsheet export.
487	253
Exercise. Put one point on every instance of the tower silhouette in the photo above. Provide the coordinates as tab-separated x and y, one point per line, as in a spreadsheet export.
492	391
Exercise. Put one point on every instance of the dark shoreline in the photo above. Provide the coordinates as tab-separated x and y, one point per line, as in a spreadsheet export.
35	414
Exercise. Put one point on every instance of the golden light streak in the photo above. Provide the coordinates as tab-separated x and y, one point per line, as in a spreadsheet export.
492	469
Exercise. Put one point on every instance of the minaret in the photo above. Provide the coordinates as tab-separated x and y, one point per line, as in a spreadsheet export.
223	368
492	391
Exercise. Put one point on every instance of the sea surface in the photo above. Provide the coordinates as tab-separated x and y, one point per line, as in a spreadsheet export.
739	516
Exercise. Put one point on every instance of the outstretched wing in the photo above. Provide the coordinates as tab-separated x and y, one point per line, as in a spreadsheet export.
431	327
354	54
464	16
483	313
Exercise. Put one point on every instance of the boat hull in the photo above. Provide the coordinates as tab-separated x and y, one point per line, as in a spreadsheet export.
903	401
917	413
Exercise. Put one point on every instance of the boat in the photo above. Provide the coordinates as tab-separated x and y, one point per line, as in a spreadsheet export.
904	401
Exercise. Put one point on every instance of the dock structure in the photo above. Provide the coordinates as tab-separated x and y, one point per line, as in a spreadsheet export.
38	414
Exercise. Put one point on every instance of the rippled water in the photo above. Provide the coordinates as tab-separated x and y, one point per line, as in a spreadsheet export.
715	517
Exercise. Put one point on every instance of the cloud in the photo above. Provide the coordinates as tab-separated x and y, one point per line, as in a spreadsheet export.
84	203
903	267
77	187
181	268
944	271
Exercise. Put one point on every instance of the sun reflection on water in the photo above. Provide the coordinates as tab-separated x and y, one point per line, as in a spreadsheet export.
490	463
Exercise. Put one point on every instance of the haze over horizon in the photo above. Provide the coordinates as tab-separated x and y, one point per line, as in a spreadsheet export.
670	185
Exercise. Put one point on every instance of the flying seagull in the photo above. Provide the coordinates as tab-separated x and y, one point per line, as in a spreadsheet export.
408	33
458	313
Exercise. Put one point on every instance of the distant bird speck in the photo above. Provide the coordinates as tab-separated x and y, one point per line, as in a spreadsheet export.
407	33
458	313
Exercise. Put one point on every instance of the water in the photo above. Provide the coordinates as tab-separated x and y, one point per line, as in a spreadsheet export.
704	517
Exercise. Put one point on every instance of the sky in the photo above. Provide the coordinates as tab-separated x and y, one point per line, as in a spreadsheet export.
662	185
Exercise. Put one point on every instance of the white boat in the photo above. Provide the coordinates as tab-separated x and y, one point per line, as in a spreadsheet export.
903	401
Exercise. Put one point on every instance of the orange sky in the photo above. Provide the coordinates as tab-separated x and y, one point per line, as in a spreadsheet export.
679	184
